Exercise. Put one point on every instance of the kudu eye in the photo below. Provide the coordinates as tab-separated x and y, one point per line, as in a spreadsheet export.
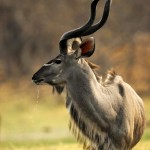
57	61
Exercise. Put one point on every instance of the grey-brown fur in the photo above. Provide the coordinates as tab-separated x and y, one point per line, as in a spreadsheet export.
105	115
114	120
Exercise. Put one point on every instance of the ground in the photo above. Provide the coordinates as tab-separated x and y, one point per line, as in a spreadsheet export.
40	122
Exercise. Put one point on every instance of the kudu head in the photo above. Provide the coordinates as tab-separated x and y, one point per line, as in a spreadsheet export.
72	49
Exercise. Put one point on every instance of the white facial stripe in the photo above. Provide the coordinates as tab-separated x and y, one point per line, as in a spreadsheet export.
59	73
69	107
54	80
48	64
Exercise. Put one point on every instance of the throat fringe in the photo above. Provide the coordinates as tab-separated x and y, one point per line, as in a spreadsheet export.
83	140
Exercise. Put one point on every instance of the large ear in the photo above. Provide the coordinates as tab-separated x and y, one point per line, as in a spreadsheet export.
87	47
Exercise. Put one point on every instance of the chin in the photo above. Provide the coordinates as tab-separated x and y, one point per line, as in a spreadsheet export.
58	87
39	83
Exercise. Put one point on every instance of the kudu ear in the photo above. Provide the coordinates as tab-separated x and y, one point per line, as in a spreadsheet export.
87	47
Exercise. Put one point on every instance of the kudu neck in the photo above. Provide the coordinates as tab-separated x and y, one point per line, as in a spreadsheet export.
81	75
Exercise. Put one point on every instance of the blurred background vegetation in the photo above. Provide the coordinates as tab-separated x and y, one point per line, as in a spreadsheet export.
29	36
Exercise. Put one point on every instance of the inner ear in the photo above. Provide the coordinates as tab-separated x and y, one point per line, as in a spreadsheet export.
87	47
73	44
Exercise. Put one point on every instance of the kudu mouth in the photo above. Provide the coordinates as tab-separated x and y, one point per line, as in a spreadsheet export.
40	81
56	87
37	80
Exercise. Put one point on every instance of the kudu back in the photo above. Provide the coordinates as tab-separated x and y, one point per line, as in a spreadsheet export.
105	115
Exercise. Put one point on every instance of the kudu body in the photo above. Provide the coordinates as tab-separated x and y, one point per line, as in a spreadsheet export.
105	115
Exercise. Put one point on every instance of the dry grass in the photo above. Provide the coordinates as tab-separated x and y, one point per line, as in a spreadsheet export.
29	123
62	146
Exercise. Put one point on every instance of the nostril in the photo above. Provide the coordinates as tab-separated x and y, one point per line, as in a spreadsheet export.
34	78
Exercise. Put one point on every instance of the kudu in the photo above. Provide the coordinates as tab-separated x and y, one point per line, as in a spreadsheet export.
105	115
